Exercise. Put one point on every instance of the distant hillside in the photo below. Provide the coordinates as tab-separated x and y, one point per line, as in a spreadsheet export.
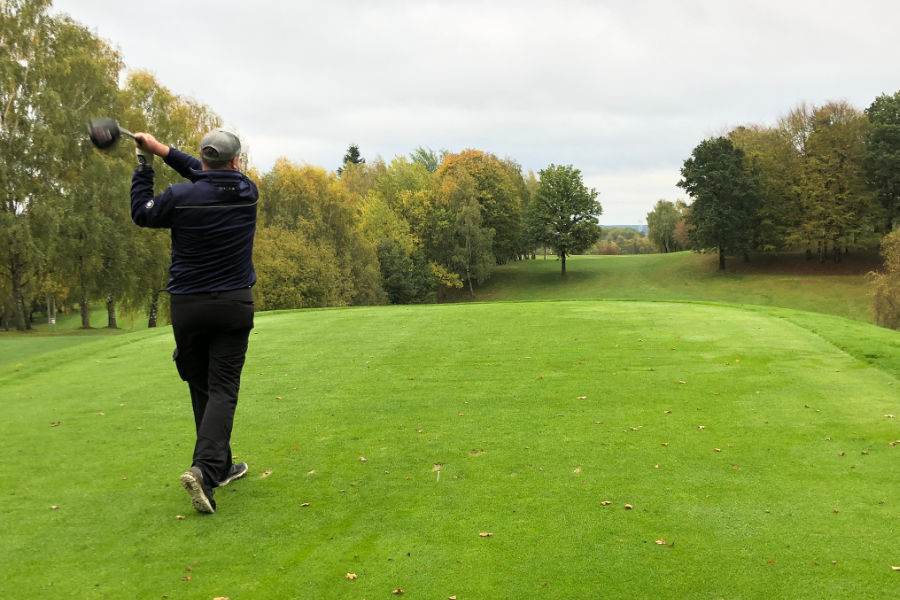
641	228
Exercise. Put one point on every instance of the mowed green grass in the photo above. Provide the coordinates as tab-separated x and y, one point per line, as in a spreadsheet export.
754	451
787	281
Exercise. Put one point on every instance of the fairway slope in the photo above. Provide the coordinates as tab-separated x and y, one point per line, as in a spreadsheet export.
840	290
571	449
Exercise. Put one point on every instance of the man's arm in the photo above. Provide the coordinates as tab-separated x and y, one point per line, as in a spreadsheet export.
146	210
184	164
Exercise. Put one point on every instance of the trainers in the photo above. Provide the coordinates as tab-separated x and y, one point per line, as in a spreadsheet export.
237	471
202	501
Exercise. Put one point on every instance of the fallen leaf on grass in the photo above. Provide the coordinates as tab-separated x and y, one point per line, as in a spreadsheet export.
363	459
221	598
398	592
54	424
485	534
629	507
682	381
895	568
437	467
717	449
179	517
605	503
577	470
304	505
186	578
266	473
351	576
54	507
660	542
701	426
582	397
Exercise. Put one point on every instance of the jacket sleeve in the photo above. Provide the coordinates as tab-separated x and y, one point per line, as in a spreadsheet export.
146	210
183	163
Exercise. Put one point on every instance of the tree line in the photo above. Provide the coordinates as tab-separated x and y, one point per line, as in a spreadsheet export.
825	180
411	230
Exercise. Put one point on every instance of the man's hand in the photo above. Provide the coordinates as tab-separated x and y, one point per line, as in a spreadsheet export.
147	143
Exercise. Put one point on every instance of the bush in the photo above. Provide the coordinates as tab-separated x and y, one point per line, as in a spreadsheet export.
886	289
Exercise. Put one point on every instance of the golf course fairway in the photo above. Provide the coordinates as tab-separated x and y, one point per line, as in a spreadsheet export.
566	449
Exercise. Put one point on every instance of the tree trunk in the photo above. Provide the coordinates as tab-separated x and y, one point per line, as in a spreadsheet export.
154	309
721	258
562	258
111	312
51	310
85	314
15	275
19	307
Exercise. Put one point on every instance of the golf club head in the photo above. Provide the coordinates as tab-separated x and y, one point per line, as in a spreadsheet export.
105	132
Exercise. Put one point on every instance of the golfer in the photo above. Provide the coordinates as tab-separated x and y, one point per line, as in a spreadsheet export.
212	218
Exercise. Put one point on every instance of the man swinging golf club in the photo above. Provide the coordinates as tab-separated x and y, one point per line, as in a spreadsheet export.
212	218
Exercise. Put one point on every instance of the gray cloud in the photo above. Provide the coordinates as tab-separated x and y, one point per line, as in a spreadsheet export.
623	90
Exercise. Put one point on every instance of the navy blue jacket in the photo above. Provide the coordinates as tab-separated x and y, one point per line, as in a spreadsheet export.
213	220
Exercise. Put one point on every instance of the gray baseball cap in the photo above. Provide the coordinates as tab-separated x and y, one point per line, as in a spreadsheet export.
219	146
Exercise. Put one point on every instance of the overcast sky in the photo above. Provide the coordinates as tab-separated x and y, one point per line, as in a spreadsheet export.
622	90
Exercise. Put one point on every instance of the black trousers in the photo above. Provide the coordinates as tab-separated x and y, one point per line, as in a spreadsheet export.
211	334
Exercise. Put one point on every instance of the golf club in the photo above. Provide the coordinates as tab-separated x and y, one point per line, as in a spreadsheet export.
105	132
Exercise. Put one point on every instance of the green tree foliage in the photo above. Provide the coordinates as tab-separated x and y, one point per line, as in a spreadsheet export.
497	187
395	216
26	56
771	153
563	214
886	285
339	262
882	157
838	209
406	277
661	223
352	157
457	239
294	272
54	74
428	158
725	191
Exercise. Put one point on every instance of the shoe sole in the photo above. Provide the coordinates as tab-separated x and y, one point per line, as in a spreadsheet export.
232	478
198	497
